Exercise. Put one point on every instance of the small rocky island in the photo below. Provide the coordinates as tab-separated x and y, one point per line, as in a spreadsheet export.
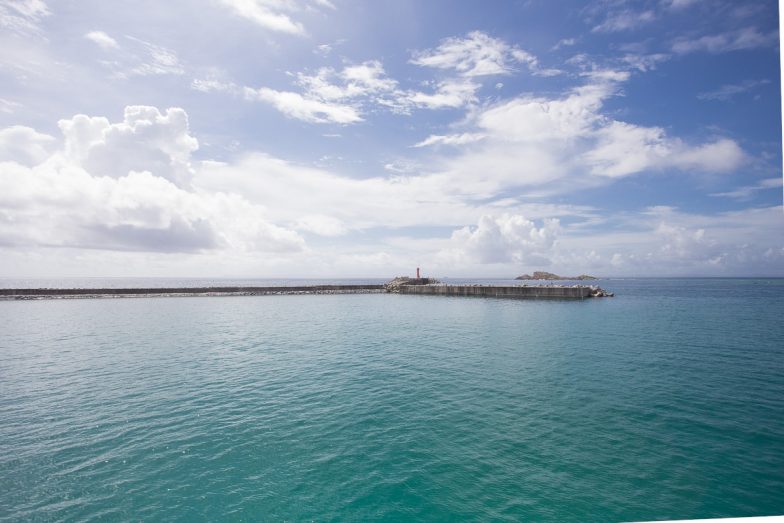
541	275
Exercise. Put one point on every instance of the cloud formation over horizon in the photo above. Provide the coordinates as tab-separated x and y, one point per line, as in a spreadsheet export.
312	137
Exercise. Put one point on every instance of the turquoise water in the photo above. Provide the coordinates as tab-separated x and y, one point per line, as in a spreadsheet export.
666	401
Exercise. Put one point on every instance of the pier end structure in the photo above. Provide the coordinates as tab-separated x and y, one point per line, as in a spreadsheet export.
492	291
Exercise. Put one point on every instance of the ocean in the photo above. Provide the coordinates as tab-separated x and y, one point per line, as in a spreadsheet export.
664	402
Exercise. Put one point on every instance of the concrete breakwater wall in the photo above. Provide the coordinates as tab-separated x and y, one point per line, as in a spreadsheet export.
512	291
422	286
187	291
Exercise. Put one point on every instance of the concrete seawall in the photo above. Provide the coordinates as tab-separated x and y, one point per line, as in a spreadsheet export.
422	287
578	292
186	291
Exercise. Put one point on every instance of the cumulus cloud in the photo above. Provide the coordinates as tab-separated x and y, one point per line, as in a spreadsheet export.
660	240
667	241
102	40
146	140
475	55
123	186
508	238
24	145
66	193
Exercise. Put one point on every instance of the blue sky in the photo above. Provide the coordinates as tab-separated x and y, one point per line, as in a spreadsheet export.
327	138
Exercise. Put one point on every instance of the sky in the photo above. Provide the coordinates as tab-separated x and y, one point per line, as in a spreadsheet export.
336	138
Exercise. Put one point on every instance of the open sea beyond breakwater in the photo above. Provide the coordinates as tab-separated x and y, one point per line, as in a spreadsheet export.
666	401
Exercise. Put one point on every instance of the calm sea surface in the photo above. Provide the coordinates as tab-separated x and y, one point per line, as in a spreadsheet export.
666	401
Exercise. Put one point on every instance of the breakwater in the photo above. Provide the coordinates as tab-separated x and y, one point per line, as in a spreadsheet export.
412	286
511	291
21	294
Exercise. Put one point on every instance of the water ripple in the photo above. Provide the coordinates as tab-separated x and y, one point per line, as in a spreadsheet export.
656	404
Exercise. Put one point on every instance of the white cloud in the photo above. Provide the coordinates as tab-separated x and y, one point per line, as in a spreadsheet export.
7	106
332	96
623	149
297	106
321	225
353	81
157	60
145	140
323	49
448	94
325	3
209	85
135	57
721	155
624	21
24	145
267	14
645	62
657	241
112	186
539	119
102	39
745	38
564	42
748	191
678	4
406	199
476	55
22	16
343	96
565	143
451	139
665	241
727	92
369	76
508	238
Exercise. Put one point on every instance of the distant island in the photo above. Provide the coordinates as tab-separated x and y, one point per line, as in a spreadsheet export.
541	275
